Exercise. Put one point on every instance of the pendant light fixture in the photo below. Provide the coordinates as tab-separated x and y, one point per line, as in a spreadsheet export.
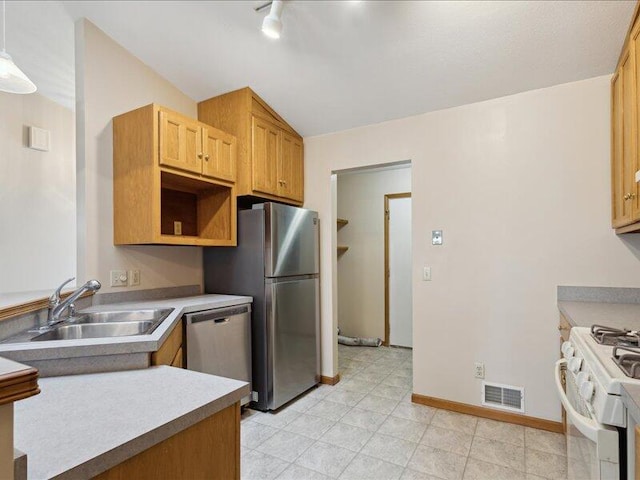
272	24
12	79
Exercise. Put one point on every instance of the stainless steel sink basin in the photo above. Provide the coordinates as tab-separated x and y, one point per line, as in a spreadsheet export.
105	324
116	316
96	330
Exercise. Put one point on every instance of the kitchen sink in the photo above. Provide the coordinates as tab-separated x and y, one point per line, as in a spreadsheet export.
96	330
104	324
117	316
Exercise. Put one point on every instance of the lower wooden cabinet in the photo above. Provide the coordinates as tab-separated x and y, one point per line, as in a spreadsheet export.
564	327
209	449
170	353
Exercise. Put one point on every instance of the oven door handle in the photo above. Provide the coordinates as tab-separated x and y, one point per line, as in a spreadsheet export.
587	426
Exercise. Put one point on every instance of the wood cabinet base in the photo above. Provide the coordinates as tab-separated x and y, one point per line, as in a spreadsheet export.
209	449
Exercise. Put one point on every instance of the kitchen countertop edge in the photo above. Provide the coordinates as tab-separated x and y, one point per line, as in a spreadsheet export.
585	314
139	436
57	349
147	440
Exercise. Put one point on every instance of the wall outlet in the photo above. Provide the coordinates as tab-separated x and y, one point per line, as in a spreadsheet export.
134	278
177	228
119	278
479	370
426	274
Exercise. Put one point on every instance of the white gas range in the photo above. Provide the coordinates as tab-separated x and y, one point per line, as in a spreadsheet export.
592	397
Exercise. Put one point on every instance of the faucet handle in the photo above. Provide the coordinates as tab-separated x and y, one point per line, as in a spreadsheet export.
54	299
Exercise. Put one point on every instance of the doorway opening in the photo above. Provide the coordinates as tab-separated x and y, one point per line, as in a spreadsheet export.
362	266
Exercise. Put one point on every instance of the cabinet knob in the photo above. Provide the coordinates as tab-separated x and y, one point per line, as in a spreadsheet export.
200	155
206	157
627	196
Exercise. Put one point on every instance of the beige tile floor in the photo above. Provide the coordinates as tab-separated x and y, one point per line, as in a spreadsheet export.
367	428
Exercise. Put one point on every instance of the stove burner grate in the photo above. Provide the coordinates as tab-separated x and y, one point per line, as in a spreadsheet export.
615	336
628	362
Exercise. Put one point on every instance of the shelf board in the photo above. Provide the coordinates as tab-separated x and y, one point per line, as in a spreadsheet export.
342	249
342	222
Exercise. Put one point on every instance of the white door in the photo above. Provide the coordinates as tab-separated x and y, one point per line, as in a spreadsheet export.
400	310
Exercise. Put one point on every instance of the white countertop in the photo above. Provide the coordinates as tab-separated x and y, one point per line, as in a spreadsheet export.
121	345
82	425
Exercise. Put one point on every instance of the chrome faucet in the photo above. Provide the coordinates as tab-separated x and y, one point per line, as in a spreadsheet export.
57	305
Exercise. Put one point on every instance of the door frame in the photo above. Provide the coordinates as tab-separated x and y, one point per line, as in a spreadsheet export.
387	326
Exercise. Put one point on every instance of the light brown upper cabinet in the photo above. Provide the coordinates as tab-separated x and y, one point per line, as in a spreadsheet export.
191	146
173	180
270	153
625	193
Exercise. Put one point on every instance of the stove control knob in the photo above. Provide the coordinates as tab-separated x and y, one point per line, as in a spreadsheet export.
574	364
583	377
586	390
567	350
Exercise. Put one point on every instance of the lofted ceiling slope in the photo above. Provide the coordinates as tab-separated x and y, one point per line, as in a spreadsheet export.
343	64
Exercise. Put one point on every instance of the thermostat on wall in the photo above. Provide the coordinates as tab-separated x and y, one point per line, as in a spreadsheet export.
39	139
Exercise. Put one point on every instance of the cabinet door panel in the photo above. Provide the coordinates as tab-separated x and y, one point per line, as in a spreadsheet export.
291	168
180	143
629	132
266	146
633	103
617	171
220	152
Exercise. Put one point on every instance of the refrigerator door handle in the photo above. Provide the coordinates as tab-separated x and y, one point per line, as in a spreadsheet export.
271	336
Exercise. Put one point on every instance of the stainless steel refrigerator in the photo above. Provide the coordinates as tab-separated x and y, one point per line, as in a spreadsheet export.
277	263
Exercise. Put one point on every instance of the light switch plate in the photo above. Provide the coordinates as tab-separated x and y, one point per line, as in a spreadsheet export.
436	237
638	176
426	274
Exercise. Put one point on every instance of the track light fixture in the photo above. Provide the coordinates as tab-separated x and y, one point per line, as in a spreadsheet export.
272	24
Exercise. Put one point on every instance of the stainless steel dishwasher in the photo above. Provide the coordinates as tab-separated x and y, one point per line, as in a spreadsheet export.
219	343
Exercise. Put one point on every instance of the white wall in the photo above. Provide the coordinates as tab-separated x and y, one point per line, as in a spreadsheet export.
111	81
37	195
361	268
520	186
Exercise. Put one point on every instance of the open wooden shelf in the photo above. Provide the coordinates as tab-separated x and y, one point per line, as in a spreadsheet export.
341	222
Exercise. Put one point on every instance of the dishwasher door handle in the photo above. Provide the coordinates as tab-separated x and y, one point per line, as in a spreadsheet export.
217	315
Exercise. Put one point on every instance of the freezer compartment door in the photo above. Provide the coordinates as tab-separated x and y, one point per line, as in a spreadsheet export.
292	324
291	241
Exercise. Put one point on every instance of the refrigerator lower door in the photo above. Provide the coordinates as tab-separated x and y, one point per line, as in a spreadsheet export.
292	330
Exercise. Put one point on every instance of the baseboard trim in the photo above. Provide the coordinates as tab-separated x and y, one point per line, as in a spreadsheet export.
330	380
490	413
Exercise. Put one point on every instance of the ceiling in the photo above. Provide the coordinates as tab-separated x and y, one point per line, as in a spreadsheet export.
344	64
